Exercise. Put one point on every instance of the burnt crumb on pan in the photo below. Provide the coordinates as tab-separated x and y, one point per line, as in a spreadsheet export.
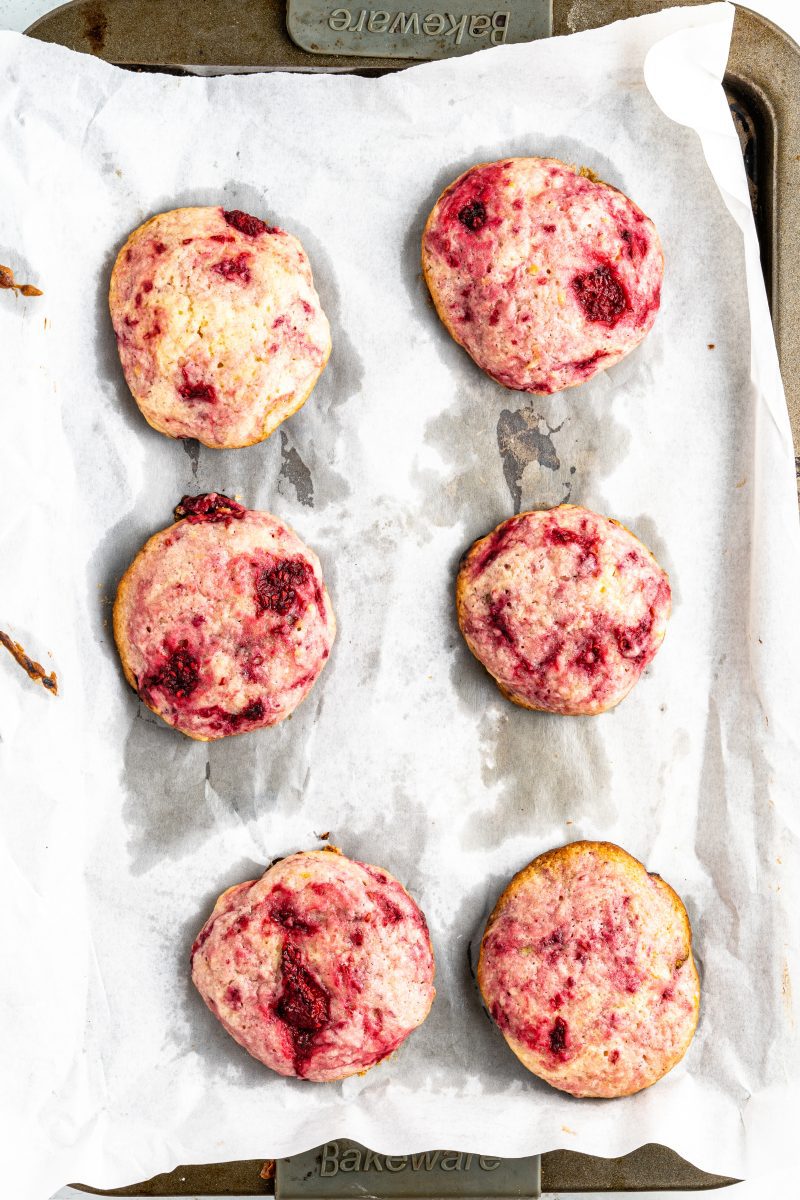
8	281
268	1170
712	345
323	837
32	668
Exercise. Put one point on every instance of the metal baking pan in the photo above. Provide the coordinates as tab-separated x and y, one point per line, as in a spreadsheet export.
763	88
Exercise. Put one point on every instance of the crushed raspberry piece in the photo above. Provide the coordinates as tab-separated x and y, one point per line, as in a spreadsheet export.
357	937
251	226
303	1005
229	722
234	268
210	506
192	390
473	215
613	1057
233	997
159	247
601	295
558	1036
276	587
179	675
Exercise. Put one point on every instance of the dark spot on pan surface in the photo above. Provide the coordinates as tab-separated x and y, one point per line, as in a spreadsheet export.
95	27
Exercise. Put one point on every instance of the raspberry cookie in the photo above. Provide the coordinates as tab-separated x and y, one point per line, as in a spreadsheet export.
586	966
564	608
222	621
541	272
320	969
219	328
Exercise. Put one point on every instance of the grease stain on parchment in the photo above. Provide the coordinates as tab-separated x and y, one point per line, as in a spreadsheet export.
295	472
523	755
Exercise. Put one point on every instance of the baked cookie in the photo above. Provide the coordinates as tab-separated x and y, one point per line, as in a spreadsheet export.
320	969
222	621
541	272
586	966
219	328
564	608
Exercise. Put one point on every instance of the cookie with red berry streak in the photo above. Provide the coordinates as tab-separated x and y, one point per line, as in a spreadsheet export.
544	274
222	621
565	608
586	967
320	969
219	328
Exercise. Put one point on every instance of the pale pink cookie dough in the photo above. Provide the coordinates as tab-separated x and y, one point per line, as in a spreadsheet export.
542	273
219	328
320	969
586	967
222	621
564	608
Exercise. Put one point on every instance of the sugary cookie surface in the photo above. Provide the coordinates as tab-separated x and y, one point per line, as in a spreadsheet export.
542	274
564	607
222	621
586	967
219	328
320	969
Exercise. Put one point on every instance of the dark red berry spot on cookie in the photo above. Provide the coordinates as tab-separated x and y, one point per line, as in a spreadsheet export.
473	215
179	675
558	1036
633	641
601	295
147	286
202	937
234	268
613	1057
225	722
549	228
553	945
357	937
210	506
240	925
159	247
276	587
196	389
585	366
253	712
284	913
245	223
303	1005
391	913
233	996
636	244
591	656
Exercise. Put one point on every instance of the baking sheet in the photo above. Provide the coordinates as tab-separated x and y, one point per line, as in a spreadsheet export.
118	834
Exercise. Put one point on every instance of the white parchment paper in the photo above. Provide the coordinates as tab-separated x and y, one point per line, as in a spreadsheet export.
118	834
